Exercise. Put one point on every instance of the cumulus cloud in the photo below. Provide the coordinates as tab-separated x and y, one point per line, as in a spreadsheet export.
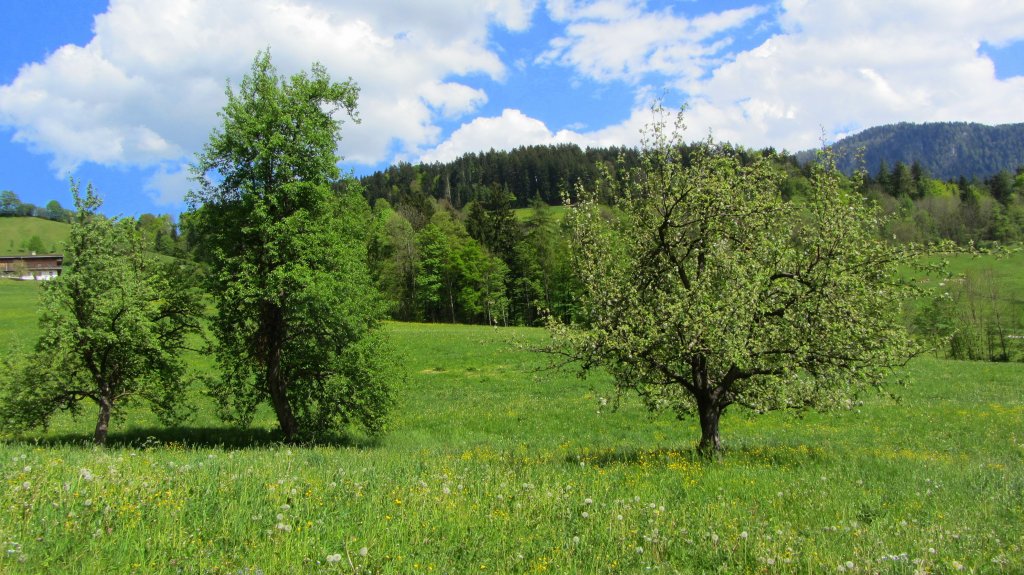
837	66
621	40
145	90
513	128
169	184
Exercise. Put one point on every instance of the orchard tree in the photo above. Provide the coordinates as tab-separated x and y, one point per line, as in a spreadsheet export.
297	314
113	324
705	289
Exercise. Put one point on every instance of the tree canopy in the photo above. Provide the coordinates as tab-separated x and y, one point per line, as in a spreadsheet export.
113	324
297	315
705	289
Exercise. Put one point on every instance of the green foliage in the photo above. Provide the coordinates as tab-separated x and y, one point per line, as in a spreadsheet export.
34	245
706	289
111	327
297	314
456	278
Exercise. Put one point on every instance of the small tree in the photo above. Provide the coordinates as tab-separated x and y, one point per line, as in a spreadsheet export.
112	325
705	289
297	314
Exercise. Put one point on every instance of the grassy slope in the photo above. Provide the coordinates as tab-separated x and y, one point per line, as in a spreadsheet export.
1008	270
15	231
523	214
18	313
493	466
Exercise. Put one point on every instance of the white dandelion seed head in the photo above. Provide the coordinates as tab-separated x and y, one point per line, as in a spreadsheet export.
363	551
334	558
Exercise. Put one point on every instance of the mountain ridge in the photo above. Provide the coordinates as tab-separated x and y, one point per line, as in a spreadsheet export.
946	150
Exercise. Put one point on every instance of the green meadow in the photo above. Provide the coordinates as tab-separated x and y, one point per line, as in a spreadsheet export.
496	464
15	232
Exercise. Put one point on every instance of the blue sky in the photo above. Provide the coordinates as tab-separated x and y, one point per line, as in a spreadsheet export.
122	94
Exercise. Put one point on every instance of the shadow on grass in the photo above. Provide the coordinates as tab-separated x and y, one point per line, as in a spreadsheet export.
198	438
657	457
663	457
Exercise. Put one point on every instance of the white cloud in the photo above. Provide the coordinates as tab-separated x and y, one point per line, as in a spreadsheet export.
145	91
862	63
834	65
147	88
621	40
514	128
510	130
169	184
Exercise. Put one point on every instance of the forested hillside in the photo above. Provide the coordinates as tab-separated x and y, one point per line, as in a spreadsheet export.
446	245
526	173
945	150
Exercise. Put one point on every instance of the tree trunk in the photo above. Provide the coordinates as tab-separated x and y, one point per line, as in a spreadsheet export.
277	385
103	420
709	412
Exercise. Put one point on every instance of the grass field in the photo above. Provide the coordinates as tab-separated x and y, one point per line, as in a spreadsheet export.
494	465
557	213
15	231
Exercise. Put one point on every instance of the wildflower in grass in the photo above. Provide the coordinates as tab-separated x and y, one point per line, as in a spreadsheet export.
585	515
639	550
334	558
619	517
743	535
588	501
714	538
85	474
850	565
363	551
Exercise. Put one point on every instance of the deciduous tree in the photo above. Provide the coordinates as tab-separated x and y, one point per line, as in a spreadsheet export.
113	324
706	289
298	316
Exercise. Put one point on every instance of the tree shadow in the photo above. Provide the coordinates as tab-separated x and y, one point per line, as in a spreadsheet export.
656	457
769	455
199	438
